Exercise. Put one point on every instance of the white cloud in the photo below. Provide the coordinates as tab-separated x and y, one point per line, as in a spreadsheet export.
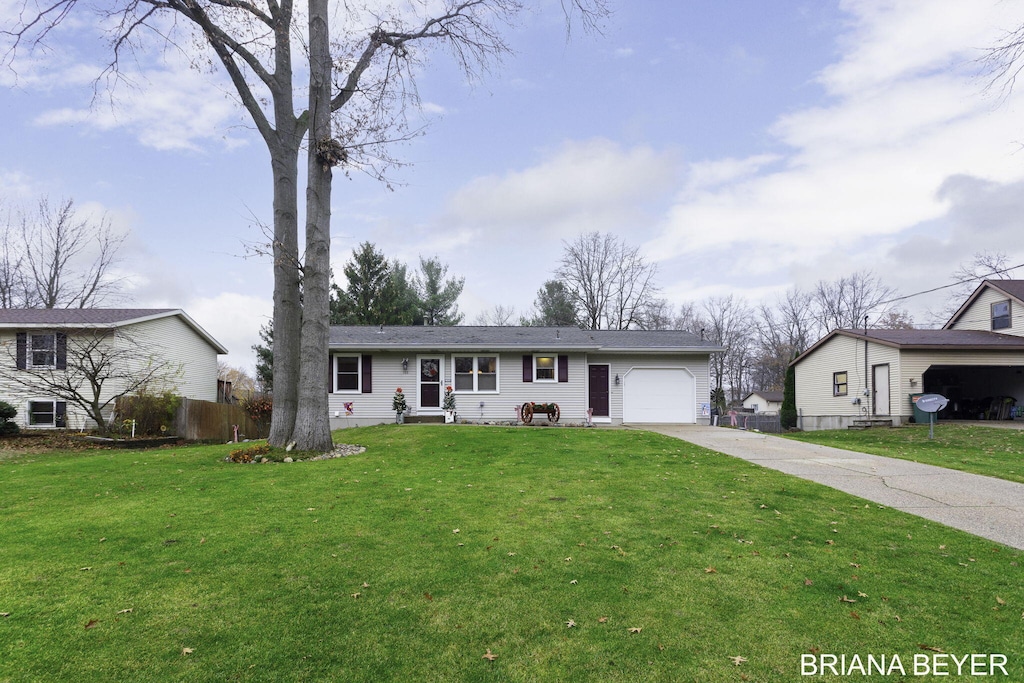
867	167
234	320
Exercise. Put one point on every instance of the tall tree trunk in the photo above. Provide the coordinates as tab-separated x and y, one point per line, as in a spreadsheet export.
312	428
287	304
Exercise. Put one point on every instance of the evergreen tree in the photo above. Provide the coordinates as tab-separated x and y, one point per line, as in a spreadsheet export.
555	306
788	413
265	358
437	296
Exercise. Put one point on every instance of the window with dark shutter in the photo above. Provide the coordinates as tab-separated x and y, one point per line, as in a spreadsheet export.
367	374
61	414
563	368
527	368
22	349
62	351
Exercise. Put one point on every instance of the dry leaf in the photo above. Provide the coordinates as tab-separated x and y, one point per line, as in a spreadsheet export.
570	623
602	620
93	623
511	554
455	531
738	660
854	564
1000	600
568	559
185	651
84	569
573	582
710	570
854	615
808	582
365	585
862	595
7	614
355	596
489	656
429	597
636	629
202	541
898	618
103	539
929	647
128	610
830	542
846	599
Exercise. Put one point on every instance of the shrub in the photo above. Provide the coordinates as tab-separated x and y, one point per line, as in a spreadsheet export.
259	409
153	414
7	413
249	454
788	414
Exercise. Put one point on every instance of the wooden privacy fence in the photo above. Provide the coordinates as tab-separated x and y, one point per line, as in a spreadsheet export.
205	420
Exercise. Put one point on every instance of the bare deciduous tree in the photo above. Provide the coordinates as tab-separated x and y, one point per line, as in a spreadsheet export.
610	282
54	258
726	322
984	265
362	74
91	369
844	303
498	316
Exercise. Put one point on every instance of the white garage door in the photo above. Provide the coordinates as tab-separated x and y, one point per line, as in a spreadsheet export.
659	395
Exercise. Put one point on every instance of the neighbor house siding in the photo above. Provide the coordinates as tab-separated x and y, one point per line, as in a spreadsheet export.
979	315
915	363
192	362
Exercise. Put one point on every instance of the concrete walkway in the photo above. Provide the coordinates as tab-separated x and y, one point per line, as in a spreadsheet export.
985	506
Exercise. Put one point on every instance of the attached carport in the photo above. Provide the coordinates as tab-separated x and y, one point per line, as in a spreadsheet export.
977	392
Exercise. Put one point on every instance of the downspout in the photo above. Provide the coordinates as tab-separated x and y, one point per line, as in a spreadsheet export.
867	378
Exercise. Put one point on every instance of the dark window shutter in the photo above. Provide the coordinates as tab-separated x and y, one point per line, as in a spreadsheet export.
61	414
367	374
62	351
563	368
527	368
330	373
22	350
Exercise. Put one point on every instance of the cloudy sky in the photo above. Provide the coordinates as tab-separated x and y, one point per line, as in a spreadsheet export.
746	146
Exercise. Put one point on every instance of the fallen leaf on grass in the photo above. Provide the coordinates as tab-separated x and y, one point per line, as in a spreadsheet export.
1000	600
185	651
861	595
854	564
7	614
602	620
365	585
855	615
429	597
570	624
202	541
85	569
710	570
355	596
808	582
489	656
93	623
103	539
737	660
929	647
846	599
573	582
127	610
636	629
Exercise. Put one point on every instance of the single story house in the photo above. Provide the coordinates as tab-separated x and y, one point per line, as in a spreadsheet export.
608	376
976	361
43	340
763	401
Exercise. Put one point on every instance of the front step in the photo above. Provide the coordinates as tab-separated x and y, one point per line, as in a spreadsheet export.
868	424
424	419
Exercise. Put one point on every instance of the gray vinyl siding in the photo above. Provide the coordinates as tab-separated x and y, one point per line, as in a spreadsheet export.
979	315
499	406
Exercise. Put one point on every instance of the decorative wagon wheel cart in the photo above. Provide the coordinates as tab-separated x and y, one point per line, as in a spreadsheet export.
530	408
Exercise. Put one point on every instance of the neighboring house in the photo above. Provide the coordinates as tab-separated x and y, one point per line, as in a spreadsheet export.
621	376
976	360
763	401
40	339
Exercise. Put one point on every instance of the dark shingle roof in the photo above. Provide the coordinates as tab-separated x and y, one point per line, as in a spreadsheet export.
1014	288
535	338
22	318
773	396
76	316
940	340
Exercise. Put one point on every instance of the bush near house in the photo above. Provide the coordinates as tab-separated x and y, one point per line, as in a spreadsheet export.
7	413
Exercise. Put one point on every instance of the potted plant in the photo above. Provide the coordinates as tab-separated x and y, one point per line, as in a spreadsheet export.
449	405
399	405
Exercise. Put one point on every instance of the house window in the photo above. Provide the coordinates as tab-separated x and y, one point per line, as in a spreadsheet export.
42	351
346	373
544	368
840	384
1001	315
476	373
46	413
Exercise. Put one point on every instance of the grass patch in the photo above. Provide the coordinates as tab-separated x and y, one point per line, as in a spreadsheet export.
990	451
412	560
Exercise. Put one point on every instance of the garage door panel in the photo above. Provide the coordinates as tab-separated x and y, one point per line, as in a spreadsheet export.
659	395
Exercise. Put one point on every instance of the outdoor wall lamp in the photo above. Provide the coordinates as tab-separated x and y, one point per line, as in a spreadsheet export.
913	382
405	365
617	380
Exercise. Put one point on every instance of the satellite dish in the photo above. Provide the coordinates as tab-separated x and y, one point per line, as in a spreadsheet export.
932	403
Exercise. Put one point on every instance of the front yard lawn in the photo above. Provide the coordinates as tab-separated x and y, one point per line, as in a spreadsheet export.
475	554
991	451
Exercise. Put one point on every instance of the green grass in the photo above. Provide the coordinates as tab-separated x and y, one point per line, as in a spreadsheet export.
255	567
991	451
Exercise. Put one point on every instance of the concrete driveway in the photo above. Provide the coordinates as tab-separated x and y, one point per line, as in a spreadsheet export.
988	507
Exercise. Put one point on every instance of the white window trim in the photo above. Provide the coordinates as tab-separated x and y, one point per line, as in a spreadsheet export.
29	351
359	373
430	410
553	356
28	413
1008	316
476	373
